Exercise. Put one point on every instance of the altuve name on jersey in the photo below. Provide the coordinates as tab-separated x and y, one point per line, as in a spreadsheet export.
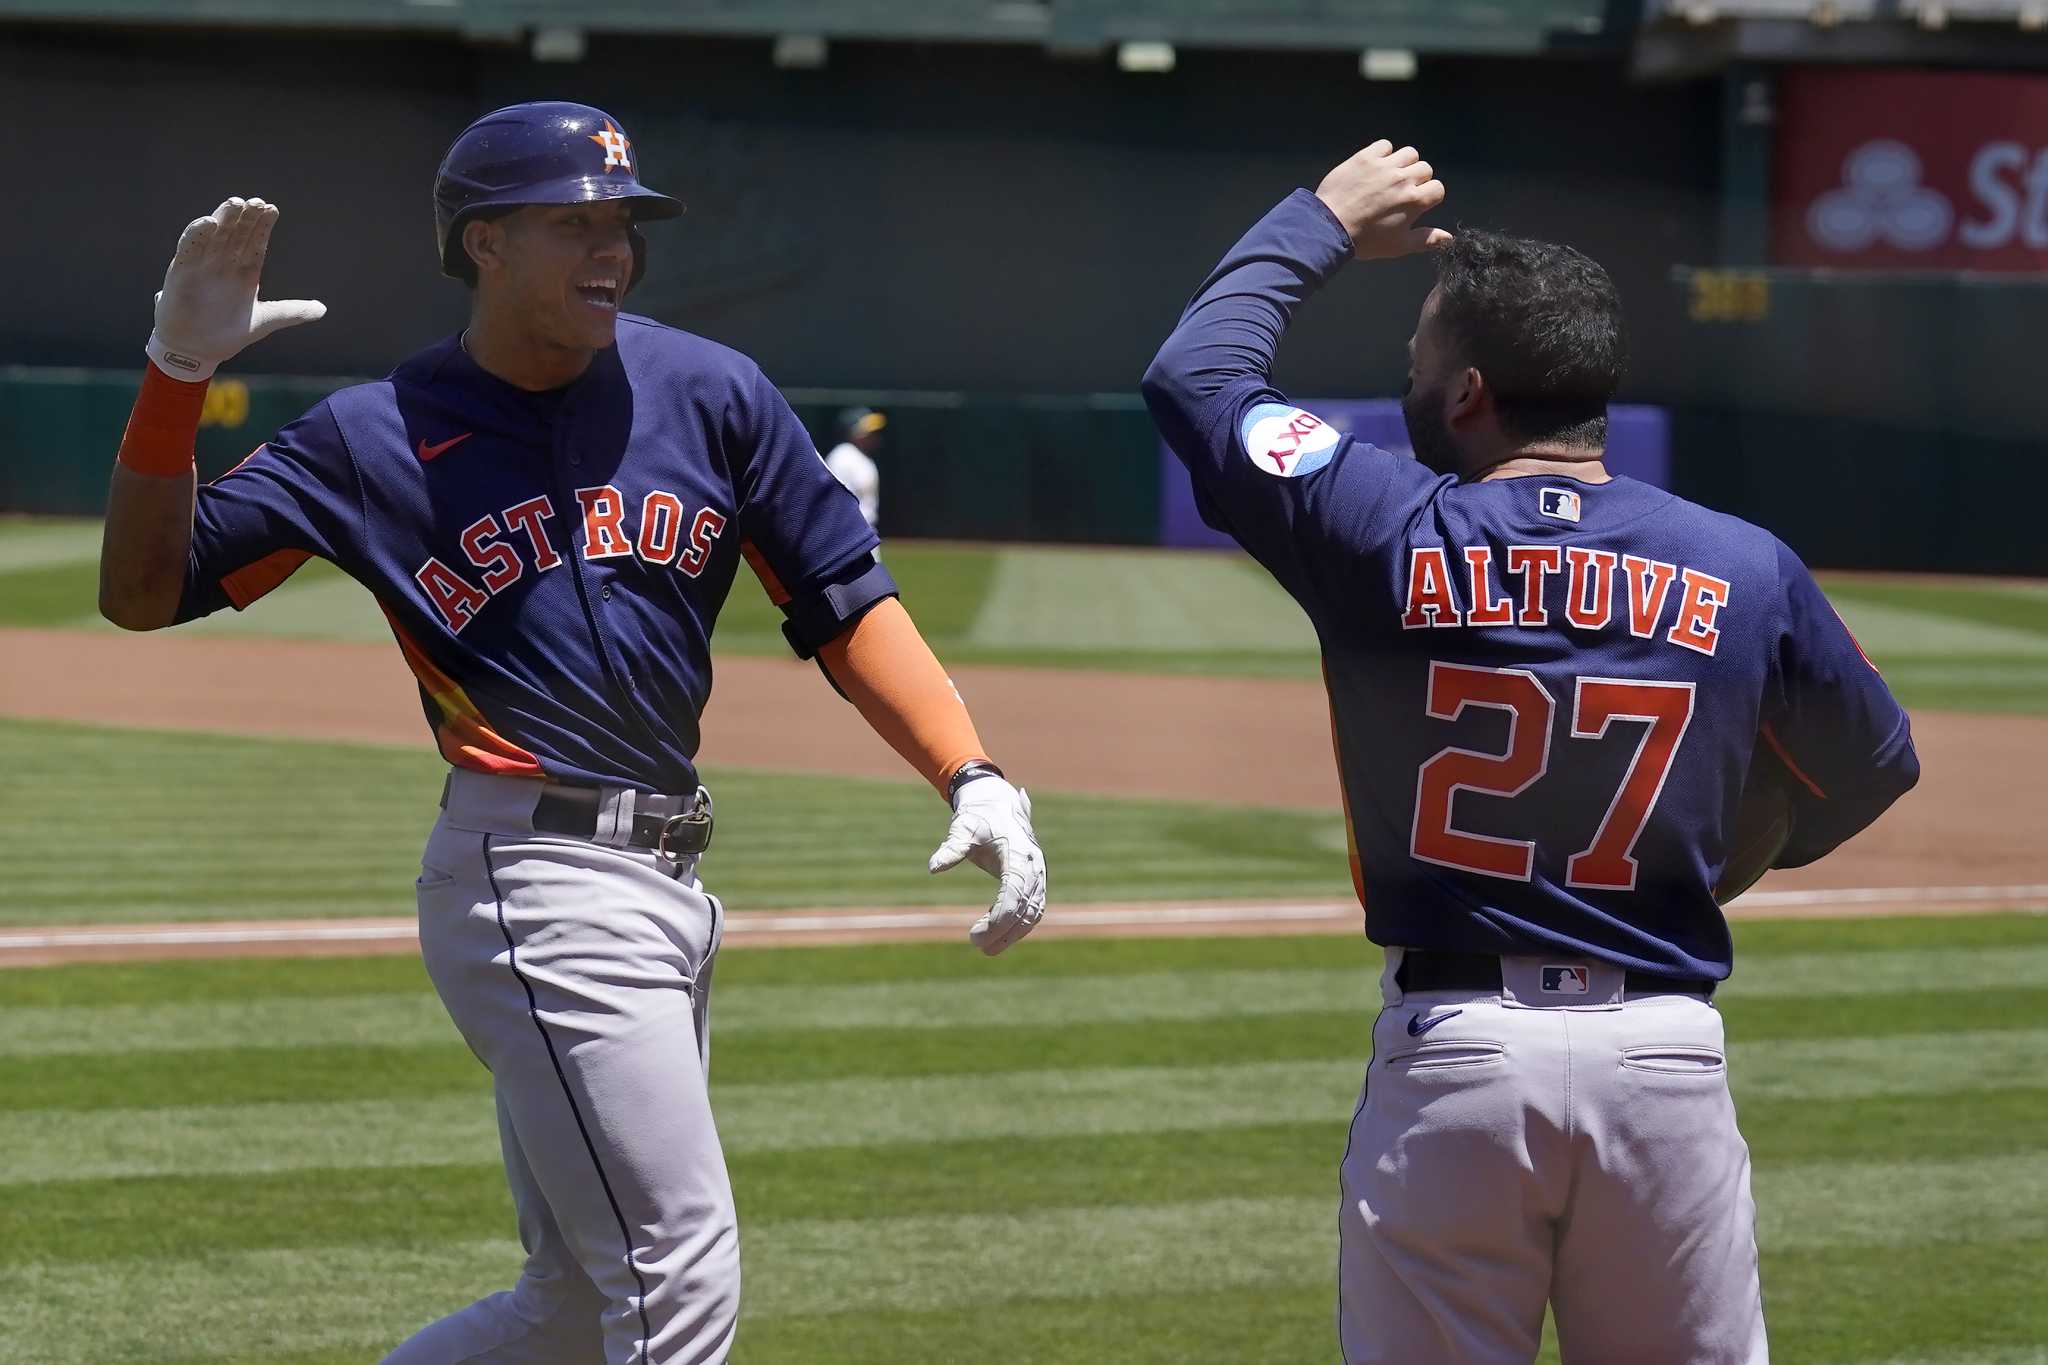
491	542
1598	588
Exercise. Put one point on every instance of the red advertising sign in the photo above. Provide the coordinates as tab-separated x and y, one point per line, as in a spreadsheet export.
1917	170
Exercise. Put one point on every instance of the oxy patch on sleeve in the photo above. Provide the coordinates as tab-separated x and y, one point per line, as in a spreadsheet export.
1286	442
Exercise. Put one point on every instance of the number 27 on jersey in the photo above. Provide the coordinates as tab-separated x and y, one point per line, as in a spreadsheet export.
1664	709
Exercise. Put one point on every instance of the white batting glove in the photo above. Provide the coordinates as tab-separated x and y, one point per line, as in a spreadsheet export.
992	829
208	309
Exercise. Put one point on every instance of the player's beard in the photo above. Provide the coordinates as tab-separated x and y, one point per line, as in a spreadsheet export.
1429	436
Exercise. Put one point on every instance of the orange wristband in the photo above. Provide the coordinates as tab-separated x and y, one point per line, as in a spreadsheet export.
164	426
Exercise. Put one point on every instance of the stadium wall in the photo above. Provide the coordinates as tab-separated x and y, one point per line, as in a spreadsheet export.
970	227
986	220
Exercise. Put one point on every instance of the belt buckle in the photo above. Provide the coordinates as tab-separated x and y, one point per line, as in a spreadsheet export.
673	826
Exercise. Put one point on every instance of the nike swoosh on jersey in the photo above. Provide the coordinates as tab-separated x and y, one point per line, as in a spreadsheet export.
1417	1025
428	452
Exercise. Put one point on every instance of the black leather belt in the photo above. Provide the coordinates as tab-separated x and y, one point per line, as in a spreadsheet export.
673	826
1433	971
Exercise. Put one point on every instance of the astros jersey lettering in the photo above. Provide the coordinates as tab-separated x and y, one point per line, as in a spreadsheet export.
1546	692
551	563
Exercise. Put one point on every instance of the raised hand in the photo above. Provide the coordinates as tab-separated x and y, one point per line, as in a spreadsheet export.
208	309
1377	194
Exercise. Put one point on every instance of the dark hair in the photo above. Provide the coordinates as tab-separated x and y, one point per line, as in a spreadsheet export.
1542	323
465	268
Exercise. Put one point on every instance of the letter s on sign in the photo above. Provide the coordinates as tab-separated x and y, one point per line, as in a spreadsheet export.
1994	161
2034	231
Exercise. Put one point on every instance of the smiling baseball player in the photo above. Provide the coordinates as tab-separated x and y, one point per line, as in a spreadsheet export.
1546	684
550	509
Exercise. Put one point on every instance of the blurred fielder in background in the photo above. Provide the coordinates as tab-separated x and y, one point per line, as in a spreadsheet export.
852	460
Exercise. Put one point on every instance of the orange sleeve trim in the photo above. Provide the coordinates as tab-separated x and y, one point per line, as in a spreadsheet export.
251	581
758	562
889	674
1771	738
163	427
464	738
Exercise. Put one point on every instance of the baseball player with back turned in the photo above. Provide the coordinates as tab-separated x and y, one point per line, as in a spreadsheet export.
852	459
1546	684
550	508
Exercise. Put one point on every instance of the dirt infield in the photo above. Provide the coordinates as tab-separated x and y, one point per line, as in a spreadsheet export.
1968	837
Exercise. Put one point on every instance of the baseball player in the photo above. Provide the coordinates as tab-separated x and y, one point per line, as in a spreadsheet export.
1546	685
550	508
852	461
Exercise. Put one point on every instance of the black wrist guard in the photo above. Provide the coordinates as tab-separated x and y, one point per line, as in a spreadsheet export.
980	767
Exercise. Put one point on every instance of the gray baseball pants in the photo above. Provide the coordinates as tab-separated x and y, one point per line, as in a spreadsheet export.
1556	1140
580	975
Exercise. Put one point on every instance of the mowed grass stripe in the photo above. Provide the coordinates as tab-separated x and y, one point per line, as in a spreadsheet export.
1044	960
1047	962
140	1080
255	1304
384	1019
2012	1355
1896	970
1897	632
1900	1203
1914	1064
1170	602
411	1206
33	543
146	1082
1896	1127
406	1020
1829	1322
186	981
299	1300
57	1144
1775	1042
1858	1042
248	859
823	1266
1905	1301
401	1020
1268	1325
417	1205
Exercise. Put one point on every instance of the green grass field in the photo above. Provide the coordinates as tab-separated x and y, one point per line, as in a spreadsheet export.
295	1162
213	827
1958	644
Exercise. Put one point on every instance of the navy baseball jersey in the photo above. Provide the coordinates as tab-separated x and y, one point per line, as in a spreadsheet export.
1545	692
551	563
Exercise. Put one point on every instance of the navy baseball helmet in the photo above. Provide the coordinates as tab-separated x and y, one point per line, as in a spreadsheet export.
541	152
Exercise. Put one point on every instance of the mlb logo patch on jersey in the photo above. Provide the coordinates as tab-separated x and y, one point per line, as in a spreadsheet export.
1565	981
1287	442
1561	503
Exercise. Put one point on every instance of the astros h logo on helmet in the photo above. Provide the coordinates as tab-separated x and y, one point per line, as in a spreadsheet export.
615	144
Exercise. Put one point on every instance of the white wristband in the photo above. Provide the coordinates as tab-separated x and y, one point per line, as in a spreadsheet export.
177	364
